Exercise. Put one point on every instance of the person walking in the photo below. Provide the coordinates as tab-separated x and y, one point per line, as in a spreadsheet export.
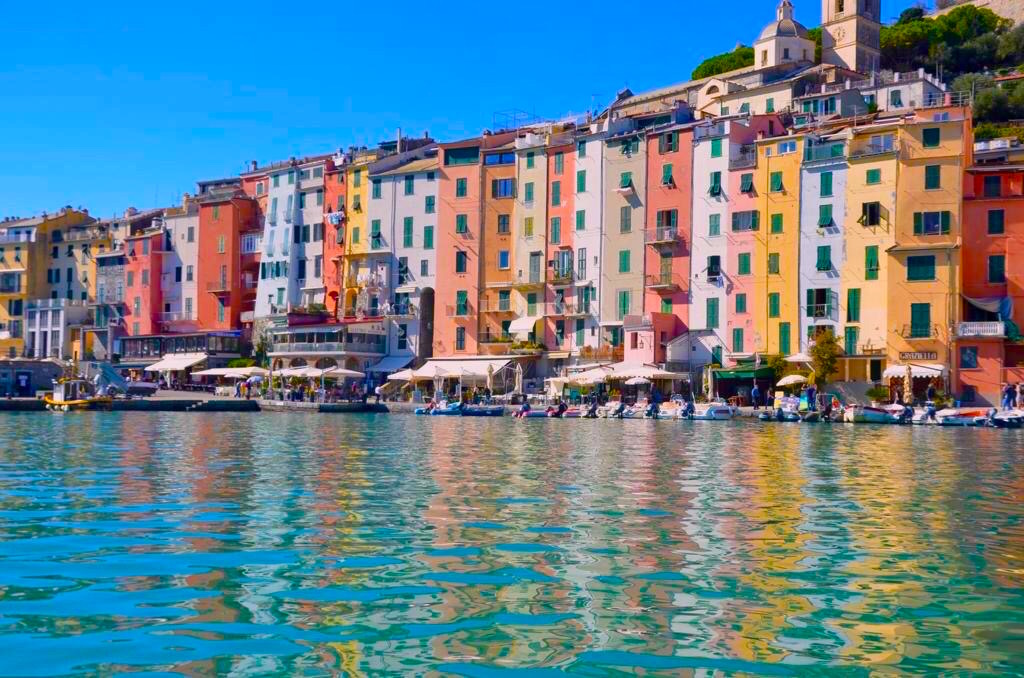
930	393
755	397
1006	391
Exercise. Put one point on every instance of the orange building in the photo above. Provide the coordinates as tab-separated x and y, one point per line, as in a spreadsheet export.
334	235
142	289
227	269
561	209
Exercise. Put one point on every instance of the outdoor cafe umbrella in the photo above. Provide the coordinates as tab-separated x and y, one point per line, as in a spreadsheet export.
792	380
638	381
908	386
519	378
342	372
490	377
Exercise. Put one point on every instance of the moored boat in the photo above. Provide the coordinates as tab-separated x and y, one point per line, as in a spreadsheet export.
717	410
75	394
863	414
483	411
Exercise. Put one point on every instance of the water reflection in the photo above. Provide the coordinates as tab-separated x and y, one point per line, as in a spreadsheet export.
283	543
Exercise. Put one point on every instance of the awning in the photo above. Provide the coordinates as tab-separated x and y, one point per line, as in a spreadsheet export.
401	375
523	325
744	373
922	370
391	364
172	362
460	369
623	371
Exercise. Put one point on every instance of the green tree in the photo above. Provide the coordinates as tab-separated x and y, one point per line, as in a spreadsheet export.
815	35
1011	46
906	46
741	57
967	23
825	357
973	82
911	14
778	364
992	105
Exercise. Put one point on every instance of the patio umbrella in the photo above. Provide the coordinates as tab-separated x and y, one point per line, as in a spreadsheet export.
638	381
342	372
519	378
908	387
490	377
798	358
792	380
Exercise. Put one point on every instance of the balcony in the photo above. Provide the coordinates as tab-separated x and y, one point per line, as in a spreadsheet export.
560	277
365	280
870	149
981	330
458	310
662	235
16	237
498	306
662	282
328	348
526	282
919	332
489	337
821	311
744	159
218	287
402	310
361	312
832	151
707	131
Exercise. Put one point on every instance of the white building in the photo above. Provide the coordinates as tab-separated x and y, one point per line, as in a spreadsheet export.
48	326
783	40
178	274
587	239
822	243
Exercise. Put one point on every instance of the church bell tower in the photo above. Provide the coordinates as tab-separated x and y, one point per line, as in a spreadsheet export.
851	34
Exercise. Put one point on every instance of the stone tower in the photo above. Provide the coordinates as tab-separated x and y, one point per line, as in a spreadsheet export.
851	34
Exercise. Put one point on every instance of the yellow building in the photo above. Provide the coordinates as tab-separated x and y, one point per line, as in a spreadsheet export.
26	269
359	240
924	263
777	182
869	231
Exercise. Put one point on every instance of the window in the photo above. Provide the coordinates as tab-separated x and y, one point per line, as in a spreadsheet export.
291	177
744	108
355	235
626	180
874	176
712	313
145	277
461	260
581	181
189	273
850	337
302	201
714	224
896	98
428	204
528	227
500	159
461	223
668	142
177	274
774	303
741	303
931	137
743	264
996	222
424	267
714	266
824	258
746	221
376	240
777	226
773	264
529	159
932	177
461	303
784	338
503	259
581	219
623	261
528	192
504	221
968	357
747	182
870	214
357	178
997	269
921	268
630	146
622	307
581	265
853	305
277	180
666	175
559	162
993	187
826	184
409	184
556	230
716	355
737	340
716	148
319	196
871	262
824	216
931	223
503	188
461	188
776	182
407	226
787	147
556	193
428	237
190	234
920	321
460	338
625	219
715	189
221	245
581	148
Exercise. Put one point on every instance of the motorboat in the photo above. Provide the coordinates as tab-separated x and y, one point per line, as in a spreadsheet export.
442	408
483	411
864	414
1010	419
75	394
716	410
785	410
960	416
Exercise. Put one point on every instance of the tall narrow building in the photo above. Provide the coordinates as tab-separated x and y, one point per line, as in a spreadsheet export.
851	34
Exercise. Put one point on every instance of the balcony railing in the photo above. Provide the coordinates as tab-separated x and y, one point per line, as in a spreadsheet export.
403	310
746	157
833	151
528	280
919	331
16	237
662	235
488	337
821	311
662	282
706	132
869	149
218	286
322	348
561	276
459	310
981	329
498	306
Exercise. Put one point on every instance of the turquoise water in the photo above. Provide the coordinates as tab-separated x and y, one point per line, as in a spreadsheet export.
315	544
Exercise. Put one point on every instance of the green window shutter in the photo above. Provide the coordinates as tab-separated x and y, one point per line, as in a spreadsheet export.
625	219
623	306
932	177
773	264
825	258
716	148
747	183
920	320
581	219
529	159
871	263
921	268
666	174
494	188
945	218
625	180
715	224
716	184
428	204
769	106
528	192
932	137
741	303
918	223
850	341
874	176
755	221
581	181
784	338
428	237
556	230
581	148
407	232
375	228
623	261
824	215
776	223
461	223
776	182
810	303
556	193
735	221
712	313
461	302
853	305
666	306
774	302
826	185
461	188
559	162
743	266
737	340
355	235
661	144
996	222
997	269
375	189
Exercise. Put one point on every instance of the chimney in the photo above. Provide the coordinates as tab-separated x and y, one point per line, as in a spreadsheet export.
398	148
254	165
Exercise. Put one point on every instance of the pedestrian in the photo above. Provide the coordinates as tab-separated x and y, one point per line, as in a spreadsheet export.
812	395
930	393
1006	390
1020	396
376	392
755	397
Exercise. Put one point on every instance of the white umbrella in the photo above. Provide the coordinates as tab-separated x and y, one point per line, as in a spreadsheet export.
342	372
490	377
401	375
638	381
798	358
792	380
519	378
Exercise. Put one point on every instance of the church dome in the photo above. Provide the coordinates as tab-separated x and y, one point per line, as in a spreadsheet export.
784	26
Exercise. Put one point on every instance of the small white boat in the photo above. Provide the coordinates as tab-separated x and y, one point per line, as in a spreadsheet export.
863	414
717	410
960	416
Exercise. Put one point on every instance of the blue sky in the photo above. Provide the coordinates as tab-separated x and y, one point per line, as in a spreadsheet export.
110	105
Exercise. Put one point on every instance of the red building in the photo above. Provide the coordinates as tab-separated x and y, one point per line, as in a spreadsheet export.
227	270
334	235
560	318
142	286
